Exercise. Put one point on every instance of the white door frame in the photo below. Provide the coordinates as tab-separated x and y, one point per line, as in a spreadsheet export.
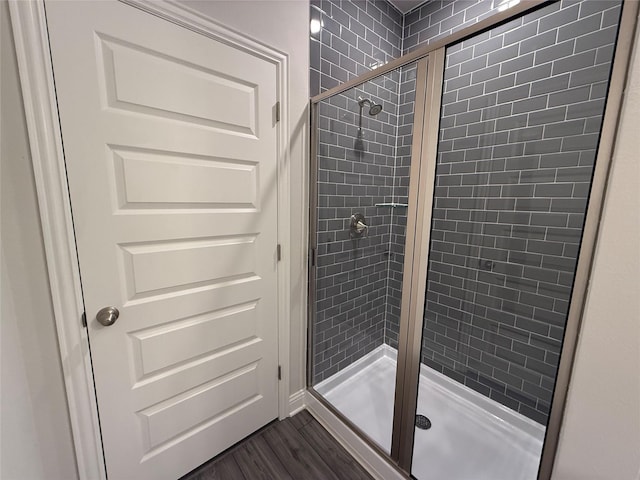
36	77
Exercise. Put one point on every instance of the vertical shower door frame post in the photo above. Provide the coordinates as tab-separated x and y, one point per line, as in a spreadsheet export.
421	188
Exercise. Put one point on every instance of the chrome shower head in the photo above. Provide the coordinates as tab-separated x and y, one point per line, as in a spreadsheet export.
374	108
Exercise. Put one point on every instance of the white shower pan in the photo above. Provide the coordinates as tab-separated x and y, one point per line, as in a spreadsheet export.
471	437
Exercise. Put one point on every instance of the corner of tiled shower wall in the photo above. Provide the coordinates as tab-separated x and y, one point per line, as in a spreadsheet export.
352	274
352	178
437	19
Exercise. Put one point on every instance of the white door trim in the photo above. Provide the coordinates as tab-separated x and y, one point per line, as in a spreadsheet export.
36	77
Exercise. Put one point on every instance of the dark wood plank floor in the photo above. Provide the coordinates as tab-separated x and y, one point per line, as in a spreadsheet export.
296	448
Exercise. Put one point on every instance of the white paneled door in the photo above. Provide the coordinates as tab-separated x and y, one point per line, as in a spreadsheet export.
170	146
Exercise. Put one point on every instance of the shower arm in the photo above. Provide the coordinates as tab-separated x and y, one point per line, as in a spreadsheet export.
362	102
373	111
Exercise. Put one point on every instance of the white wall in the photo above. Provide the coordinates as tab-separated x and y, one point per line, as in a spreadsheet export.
600	437
35	434
283	25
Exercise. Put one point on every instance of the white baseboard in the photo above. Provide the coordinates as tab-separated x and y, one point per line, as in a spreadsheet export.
297	402
377	466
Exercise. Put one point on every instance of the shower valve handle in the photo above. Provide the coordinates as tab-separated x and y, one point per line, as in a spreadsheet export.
357	226
361	227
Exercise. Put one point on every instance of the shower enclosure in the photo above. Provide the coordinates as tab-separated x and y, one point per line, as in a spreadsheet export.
454	199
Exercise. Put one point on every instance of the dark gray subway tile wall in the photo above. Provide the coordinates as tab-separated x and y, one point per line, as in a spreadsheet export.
529	101
356	37
437	19
520	122
352	275
430	21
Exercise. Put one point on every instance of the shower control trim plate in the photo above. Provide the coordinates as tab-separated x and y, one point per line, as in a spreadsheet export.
358	227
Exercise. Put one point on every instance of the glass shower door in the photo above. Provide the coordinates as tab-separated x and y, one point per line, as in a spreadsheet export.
520	122
363	142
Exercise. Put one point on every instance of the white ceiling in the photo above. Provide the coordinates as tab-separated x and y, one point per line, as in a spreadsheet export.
405	5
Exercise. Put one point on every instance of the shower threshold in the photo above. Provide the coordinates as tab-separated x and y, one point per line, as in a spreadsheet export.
471	437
